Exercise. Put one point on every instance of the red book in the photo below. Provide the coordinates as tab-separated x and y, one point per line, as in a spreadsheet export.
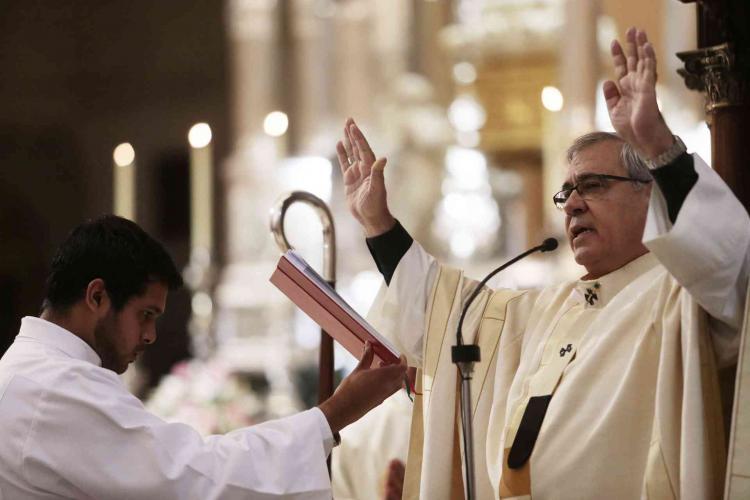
311	293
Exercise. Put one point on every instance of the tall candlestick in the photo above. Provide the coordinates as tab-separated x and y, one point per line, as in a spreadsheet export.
124	181
276	125
201	187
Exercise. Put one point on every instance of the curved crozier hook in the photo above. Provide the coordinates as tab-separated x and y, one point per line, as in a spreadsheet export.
278	213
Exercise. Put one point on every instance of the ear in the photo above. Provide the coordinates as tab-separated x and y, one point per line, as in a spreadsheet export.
96	297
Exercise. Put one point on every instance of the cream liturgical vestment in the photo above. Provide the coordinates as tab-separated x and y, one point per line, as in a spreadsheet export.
70	429
591	389
359	465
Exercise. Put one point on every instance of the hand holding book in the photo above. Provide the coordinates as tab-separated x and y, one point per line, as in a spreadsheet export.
364	389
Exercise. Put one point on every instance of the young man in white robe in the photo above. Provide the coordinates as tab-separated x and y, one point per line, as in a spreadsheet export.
70	429
603	387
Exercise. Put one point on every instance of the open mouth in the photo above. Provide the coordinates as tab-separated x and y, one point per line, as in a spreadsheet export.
580	230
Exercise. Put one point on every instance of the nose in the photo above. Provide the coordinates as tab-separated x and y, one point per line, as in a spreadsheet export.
574	205
149	335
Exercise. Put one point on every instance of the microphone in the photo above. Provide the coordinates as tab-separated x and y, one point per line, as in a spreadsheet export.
464	357
461	353
548	245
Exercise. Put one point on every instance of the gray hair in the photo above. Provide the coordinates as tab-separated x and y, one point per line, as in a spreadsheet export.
636	167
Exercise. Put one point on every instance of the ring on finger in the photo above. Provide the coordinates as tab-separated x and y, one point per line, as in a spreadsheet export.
350	160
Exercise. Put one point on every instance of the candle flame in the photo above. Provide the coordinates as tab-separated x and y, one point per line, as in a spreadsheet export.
124	154
199	135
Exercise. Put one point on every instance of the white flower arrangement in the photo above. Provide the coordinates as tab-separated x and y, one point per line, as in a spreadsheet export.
207	396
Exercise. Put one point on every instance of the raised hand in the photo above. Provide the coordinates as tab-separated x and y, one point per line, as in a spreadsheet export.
631	99
364	182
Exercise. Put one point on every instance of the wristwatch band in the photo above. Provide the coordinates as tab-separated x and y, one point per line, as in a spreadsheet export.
668	156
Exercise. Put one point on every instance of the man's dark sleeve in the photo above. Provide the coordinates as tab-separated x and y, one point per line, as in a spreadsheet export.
388	248
675	181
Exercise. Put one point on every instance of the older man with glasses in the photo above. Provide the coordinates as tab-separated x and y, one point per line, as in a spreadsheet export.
602	387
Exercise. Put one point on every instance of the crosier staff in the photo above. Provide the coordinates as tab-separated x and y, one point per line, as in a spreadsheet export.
278	212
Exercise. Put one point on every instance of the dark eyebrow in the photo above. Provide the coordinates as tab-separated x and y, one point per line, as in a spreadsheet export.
155	310
578	179
585	176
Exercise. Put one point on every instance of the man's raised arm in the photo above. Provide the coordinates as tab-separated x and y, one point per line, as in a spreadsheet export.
696	227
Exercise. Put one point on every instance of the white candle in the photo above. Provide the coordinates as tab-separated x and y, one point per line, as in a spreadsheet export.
124	181
276	124
201	187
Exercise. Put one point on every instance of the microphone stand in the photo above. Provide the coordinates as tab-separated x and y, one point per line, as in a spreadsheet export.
465	355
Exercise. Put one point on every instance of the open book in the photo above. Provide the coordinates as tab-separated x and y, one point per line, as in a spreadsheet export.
311	293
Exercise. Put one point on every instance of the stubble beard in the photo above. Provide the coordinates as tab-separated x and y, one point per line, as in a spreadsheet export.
104	335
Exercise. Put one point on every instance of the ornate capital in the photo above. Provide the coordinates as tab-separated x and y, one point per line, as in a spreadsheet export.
715	71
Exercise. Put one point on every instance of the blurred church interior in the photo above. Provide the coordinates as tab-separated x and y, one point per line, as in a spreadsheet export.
473	103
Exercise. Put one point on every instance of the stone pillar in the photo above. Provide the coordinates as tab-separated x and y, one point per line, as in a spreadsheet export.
253	324
578	70
353	81
390	37
680	104
310	110
579	65
428	59
249	172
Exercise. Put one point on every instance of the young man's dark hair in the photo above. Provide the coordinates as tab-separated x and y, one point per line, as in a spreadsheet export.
115	250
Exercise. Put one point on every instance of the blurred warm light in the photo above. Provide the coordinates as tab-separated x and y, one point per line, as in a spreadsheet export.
698	139
463	244
202	304
276	123
360	294
363	289
467	170
601	115
124	154
199	135
468	220
465	73
466	114
470	139
308	173
467	217
552	98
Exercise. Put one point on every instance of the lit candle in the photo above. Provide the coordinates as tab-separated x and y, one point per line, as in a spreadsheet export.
275	125
201	187
124	181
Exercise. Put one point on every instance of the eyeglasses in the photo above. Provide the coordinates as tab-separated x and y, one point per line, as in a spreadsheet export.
590	187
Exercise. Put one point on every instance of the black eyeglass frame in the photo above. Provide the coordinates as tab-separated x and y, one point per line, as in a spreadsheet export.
560	203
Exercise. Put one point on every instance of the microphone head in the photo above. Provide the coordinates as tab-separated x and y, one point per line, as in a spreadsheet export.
548	245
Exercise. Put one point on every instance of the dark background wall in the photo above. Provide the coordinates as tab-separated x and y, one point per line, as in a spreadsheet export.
78	78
